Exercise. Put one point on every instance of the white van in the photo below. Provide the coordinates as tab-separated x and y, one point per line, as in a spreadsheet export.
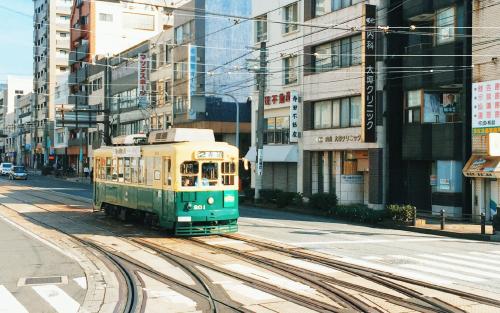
5	168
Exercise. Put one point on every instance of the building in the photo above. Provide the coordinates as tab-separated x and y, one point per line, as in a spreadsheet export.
17	86
429	91
25	127
51	45
210	75
61	131
482	167
100	29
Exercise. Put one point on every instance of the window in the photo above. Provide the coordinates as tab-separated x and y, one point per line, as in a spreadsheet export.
127	173
103	17
184	33
340	53
180	70
290	72
114	176
228	170
445	25
344	112
138	21
320	8
140	172
277	130
168	172
189	172
413	106
120	170
340	4
154	61
133	170
168	54
149	171
209	174
261	28
291	18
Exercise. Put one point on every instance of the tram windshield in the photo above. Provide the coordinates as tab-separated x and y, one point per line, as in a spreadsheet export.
207	174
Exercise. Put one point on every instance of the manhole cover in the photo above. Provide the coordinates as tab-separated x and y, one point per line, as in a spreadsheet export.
49	280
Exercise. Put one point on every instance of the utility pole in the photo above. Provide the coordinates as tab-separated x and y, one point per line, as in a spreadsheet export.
259	164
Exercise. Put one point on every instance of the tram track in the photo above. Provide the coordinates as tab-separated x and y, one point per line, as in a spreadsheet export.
123	264
381	277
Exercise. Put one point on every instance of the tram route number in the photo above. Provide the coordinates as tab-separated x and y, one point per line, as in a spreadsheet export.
199	207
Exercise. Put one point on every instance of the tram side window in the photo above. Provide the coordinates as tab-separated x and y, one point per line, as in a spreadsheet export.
149	171
157	168
120	169
127	170
101	174
228	170
97	166
133	170
115	170
108	169
209	174
168	172
140	172
189	172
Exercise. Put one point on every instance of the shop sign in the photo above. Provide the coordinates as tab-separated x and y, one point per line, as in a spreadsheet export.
486	105
193	62
294	116
281	98
142	80
369	94
260	162
127	152
352	179
340	138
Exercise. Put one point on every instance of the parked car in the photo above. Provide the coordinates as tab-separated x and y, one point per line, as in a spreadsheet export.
18	172
5	168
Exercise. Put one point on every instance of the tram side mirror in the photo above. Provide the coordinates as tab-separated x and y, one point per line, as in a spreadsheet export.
245	164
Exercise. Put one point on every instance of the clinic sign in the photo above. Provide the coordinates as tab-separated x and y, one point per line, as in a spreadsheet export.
370	77
142	80
486	106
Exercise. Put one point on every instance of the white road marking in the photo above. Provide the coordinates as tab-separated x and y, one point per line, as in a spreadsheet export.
486	255
308	243
441	272
269	277
81	281
460	262
9	303
447	266
398	271
318	268
57	298
476	259
373	258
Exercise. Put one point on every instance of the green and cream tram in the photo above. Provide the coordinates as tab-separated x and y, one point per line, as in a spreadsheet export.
182	180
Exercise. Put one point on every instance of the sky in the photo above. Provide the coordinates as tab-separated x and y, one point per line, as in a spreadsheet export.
16	37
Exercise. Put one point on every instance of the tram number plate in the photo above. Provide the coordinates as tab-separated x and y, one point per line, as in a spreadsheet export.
199	207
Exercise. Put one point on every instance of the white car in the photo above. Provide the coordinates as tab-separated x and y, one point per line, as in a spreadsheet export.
5	168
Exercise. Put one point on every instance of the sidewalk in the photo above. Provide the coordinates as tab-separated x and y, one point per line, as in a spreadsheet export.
81	180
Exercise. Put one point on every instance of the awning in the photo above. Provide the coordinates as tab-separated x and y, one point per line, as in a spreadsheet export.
482	166
275	153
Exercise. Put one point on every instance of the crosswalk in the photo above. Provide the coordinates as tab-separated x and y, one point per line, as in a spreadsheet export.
438	268
51	296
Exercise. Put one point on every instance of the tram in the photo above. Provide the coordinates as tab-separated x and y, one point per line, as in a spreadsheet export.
181	180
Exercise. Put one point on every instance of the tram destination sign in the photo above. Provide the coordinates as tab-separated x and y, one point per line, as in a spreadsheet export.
209	155
127	152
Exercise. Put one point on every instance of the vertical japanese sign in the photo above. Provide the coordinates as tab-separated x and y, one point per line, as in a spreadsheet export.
294	116
369	92
142	80
486	107
193	61
260	162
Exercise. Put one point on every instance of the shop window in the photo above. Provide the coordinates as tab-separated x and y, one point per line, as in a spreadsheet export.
445	25
349	164
209	174
449	176
228	170
168	172
189	172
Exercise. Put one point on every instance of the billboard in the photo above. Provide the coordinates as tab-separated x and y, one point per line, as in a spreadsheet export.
142	81
369	92
486	106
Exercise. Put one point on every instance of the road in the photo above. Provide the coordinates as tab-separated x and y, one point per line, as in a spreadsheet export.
462	264
36	276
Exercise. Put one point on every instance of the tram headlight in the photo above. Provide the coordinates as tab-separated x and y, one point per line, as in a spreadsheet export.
210	200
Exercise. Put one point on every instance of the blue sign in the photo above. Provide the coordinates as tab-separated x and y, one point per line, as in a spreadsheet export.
193	55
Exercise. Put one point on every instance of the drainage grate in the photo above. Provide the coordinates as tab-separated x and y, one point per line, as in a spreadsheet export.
49	280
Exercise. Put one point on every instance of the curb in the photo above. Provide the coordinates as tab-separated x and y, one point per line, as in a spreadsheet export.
437	232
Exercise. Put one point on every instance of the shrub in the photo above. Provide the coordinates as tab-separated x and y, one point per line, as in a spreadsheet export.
496	222
358	213
47	170
401	213
323	201
249	193
284	199
269	195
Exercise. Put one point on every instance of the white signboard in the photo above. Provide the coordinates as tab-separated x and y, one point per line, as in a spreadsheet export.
260	162
142	80
294	116
486	104
127	152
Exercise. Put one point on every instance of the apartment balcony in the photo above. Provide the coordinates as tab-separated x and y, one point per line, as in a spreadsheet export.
81	75
72	57
62	26
62	43
63	9
62	61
